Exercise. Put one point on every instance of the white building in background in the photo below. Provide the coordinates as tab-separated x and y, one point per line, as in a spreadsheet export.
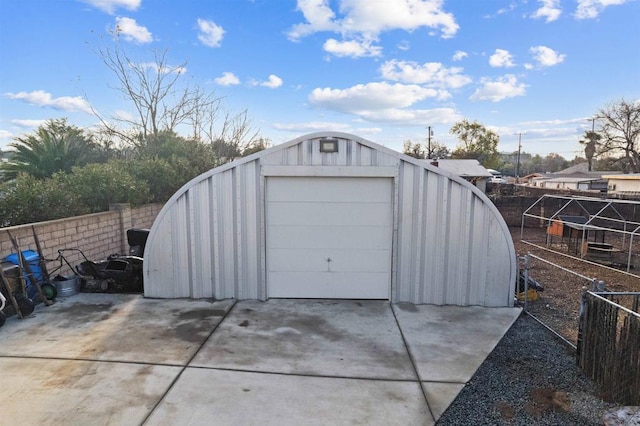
468	169
623	186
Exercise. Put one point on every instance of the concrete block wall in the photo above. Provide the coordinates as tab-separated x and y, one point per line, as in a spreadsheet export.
97	235
512	208
143	217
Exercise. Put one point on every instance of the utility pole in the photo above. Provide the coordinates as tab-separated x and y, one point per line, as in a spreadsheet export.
518	163
590	146
429	134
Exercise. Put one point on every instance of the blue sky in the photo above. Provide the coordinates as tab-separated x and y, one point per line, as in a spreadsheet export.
380	69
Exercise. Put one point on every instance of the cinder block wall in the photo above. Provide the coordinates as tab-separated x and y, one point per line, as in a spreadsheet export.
513	207
97	235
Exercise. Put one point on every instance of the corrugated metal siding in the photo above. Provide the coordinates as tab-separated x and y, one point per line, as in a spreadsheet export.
451	248
450	244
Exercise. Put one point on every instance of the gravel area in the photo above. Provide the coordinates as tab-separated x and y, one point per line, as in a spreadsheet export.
529	378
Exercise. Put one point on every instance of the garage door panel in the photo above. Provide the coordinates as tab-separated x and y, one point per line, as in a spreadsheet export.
347	220
289	260
349	237
343	214
320	189
329	285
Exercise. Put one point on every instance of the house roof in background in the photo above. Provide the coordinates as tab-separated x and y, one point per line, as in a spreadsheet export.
469	168
630	176
571	179
576	168
582	170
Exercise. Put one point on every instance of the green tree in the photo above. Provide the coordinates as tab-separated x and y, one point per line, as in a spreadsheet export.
55	146
188	157
476	141
619	125
553	163
162	179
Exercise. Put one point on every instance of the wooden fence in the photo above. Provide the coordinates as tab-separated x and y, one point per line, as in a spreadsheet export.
609	344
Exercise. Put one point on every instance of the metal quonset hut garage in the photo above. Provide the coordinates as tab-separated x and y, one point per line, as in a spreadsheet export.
331	215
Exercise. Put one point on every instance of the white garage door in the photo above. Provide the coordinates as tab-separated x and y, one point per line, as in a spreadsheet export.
329	237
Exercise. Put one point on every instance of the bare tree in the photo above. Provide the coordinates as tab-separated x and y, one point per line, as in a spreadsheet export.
163	104
619	124
420	151
152	89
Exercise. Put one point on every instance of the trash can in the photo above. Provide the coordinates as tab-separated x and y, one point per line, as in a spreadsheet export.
137	239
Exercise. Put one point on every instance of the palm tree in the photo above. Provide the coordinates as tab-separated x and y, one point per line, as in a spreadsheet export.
590	142
55	146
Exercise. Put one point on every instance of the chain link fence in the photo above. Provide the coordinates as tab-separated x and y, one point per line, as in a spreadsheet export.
603	326
552	294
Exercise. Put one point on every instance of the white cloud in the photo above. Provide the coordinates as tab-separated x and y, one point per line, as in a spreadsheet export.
42	99
5	135
588	9
404	45
501	58
432	73
555	122
319	17
273	82
549	10
499	89
413	117
168	69
365	19
510	8
26	123
545	56
109	6
351	48
123	115
459	55
371	96
312	126
227	79
210	33
130	30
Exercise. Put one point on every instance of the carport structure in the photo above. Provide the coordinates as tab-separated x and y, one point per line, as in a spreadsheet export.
331	216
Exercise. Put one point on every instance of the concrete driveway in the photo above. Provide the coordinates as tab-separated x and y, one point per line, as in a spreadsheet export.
126	360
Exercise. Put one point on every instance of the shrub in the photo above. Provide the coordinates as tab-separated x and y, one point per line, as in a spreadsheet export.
162	178
98	185
27	199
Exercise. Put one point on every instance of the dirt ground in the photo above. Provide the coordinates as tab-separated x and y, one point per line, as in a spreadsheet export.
558	306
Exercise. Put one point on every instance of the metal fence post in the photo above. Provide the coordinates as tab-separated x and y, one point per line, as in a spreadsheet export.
526	281
581	321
